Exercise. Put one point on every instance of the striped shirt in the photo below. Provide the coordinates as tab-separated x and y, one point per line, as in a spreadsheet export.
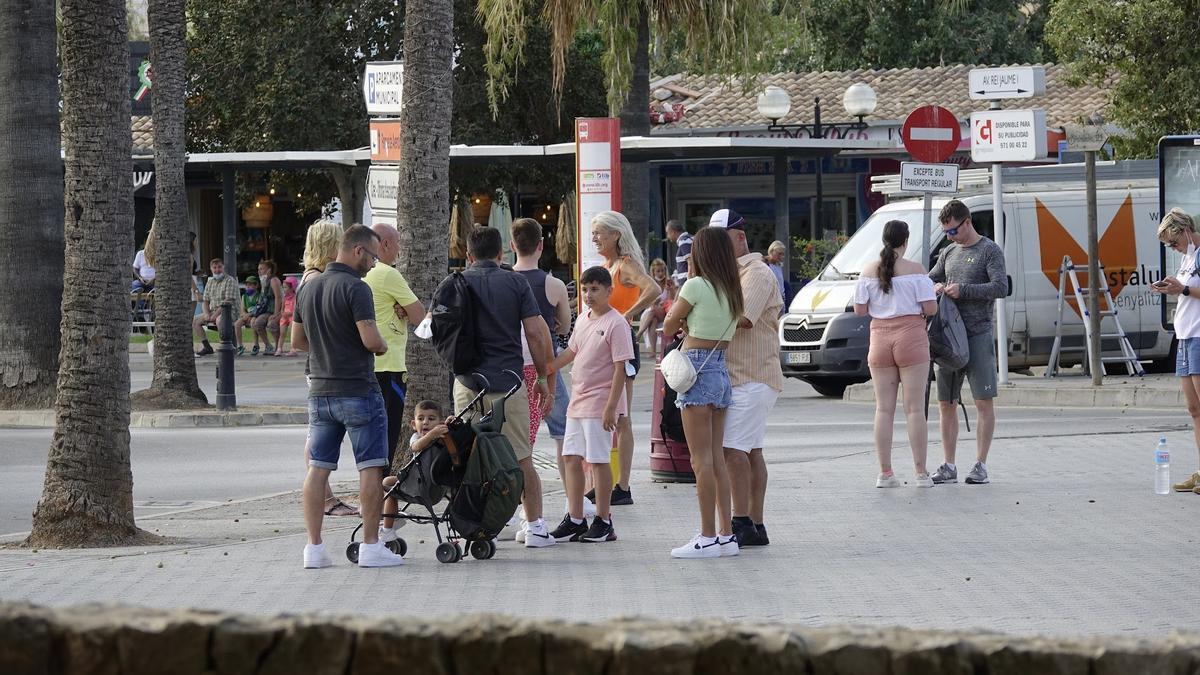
753	354
683	251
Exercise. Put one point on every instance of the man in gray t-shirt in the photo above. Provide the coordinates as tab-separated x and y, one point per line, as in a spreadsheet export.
971	272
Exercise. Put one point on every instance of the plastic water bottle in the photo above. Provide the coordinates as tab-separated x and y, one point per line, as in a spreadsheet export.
1162	468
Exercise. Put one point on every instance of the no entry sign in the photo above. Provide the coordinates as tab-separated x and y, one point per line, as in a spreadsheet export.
931	134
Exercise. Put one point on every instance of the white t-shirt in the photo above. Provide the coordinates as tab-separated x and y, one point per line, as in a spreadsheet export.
142	267
908	292
1187	312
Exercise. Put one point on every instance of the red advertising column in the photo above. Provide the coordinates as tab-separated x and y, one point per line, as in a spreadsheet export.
597	180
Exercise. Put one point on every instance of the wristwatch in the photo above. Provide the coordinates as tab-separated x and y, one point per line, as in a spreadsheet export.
1187	291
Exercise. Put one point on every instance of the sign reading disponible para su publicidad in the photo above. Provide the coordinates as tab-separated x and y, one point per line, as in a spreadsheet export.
1008	135
935	178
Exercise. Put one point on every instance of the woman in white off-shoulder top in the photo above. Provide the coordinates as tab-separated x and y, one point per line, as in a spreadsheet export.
898	295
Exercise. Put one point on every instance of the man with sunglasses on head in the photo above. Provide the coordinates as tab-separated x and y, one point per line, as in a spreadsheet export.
970	271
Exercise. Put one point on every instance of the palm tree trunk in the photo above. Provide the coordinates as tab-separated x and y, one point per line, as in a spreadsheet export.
352	189
174	384
424	199
635	121
31	237
87	497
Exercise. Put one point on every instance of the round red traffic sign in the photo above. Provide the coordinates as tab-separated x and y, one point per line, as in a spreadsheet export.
931	134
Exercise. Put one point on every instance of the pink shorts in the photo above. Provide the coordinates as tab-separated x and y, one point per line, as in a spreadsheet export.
535	403
898	342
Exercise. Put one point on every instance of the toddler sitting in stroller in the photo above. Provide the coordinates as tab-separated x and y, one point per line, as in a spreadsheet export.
428	426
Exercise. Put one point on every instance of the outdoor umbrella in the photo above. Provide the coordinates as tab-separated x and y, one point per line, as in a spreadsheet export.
564	236
460	227
501	219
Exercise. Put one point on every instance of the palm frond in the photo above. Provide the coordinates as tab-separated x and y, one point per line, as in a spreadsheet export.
504	21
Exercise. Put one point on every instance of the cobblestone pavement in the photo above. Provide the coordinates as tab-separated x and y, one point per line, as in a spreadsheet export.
1069	538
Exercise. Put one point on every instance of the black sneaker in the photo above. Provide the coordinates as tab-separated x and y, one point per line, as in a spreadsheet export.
591	495
600	531
205	351
568	530
745	533
761	531
621	497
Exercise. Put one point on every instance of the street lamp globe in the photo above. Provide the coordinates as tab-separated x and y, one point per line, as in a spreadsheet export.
859	100
774	103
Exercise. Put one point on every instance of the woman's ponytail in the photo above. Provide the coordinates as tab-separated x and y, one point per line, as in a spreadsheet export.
895	234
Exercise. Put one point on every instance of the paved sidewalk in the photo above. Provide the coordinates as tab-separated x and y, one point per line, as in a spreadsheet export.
1068	539
1070	390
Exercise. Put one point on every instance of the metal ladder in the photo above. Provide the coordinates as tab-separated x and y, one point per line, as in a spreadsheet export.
1128	357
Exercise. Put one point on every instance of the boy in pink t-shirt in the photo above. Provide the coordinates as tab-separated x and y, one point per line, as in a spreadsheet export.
599	348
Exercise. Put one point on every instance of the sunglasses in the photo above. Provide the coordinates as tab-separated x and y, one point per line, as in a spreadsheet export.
954	230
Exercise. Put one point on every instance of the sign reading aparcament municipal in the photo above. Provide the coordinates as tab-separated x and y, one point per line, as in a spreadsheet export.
383	87
936	178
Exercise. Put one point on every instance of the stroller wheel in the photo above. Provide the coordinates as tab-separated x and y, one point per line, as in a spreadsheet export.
458	552
352	552
491	549
480	549
398	546
446	552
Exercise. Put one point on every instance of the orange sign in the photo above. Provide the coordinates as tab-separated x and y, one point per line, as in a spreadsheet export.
1118	251
385	140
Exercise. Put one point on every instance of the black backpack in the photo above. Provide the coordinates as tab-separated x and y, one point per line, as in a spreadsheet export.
455	324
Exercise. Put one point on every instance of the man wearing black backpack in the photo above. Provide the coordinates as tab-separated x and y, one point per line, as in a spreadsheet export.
970	271
501	303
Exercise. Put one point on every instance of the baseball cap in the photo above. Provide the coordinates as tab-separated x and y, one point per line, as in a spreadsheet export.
252	279
728	219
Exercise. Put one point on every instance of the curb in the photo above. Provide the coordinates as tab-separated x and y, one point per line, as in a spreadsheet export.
1083	396
167	419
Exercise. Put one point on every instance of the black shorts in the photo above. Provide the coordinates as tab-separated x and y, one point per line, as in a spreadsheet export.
636	361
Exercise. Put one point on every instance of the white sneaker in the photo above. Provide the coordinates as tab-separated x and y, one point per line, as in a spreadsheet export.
728	545
887	481
316	557
377	555
387	534
537	536
698	547
923	480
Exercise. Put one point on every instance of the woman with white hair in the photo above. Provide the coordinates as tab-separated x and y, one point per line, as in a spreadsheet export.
632	292
1178	232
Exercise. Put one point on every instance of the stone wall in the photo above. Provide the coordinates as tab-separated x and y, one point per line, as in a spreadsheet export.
105	639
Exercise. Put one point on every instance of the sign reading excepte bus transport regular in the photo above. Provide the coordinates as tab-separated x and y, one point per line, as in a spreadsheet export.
937	178
1008	135
383	87
597	179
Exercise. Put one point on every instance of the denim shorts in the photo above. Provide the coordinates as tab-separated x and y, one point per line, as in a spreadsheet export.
556	421
1187	357
330	418
712	381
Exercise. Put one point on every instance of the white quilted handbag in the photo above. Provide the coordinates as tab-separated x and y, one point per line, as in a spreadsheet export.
677	368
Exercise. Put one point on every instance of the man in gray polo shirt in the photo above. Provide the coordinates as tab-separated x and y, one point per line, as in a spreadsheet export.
334	321
971	272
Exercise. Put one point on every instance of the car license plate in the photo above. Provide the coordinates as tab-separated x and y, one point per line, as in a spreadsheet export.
798	358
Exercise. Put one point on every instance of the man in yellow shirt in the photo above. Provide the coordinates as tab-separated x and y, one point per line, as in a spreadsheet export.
395	307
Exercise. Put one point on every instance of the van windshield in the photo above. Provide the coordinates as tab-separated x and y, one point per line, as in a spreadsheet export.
867	242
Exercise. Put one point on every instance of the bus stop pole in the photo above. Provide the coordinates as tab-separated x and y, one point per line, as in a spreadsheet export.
1002	304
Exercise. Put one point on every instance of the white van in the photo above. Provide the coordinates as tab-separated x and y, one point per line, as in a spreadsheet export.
825	344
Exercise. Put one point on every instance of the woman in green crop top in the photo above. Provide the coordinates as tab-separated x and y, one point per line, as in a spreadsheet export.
706	312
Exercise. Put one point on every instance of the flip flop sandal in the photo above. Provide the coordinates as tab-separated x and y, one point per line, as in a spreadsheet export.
341	508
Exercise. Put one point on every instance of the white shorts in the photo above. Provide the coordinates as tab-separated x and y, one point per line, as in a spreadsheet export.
585	437
746	416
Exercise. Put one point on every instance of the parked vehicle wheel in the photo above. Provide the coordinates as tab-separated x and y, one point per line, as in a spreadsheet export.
352	552
1167	363
446	552
398	546
829	386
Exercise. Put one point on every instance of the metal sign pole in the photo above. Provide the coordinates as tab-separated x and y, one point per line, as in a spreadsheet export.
1093	298
927	223
1002	304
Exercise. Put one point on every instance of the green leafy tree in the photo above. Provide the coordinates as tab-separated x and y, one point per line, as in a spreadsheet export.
725	36
286	75
1144	53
